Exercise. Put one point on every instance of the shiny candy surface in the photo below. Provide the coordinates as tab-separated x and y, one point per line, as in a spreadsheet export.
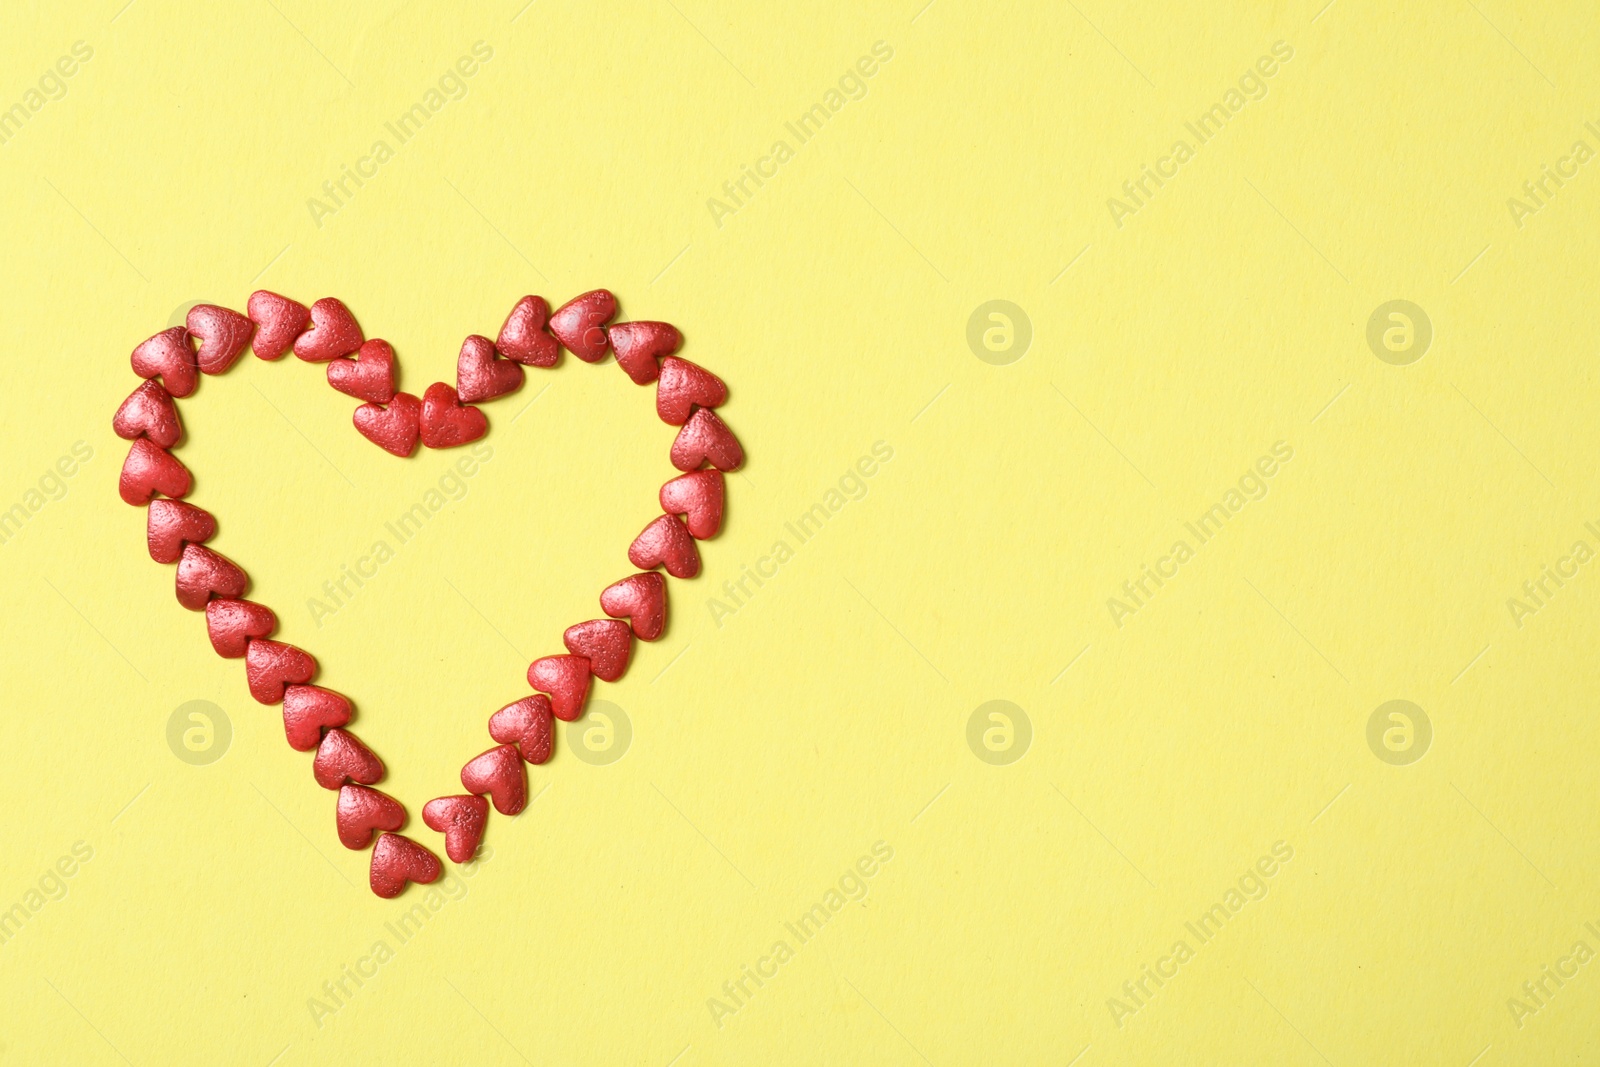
151	469
307	710
698	497
367	375
446	422
278	320
169	356
149	412
642	600
397	860
171	524
605	643
524	337
334	332
481	375
706	437
499	773
342	757
665	541
363	811
639	347
396	428
230	624
579	324
684	386
203	574
566	679
528	724
461	819
223	336
271	666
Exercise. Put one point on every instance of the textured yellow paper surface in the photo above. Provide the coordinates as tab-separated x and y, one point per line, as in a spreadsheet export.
1201	856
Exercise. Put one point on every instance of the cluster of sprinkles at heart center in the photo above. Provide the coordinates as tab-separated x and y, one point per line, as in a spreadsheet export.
315	719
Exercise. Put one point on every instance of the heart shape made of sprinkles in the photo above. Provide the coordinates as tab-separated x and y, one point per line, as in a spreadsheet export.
213	338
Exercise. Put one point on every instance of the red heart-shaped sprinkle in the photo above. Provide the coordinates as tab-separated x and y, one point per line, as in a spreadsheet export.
698	497
398	860
640	345
524	337
171	524
682	387
526	724
480	375
367	375
271	666
461	819
342	757
223	335
665	541
309	708
446	422
151	469
362	811
579	324
566	679
641	599
334	332
231	623
203	574
279	320
499	773
396	428
605	643
706	437
169	355
149	412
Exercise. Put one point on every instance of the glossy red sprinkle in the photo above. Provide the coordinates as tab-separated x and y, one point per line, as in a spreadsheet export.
169	355
232	623
640	345
223	335
499	773
698	497
149	412
605	643
706	437
461	819
341	757
363	811
151	469
171	524
683	387
203	574
446	422
642	600
480	375
271	666
307	709
279	321
334	333
566	679
398	860
396	428
579	324
367	375
524	338
528	724
665	541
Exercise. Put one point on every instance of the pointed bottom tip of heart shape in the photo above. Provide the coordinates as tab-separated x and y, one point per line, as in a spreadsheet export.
397	860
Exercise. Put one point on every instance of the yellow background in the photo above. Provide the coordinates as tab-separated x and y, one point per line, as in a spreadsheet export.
830	711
